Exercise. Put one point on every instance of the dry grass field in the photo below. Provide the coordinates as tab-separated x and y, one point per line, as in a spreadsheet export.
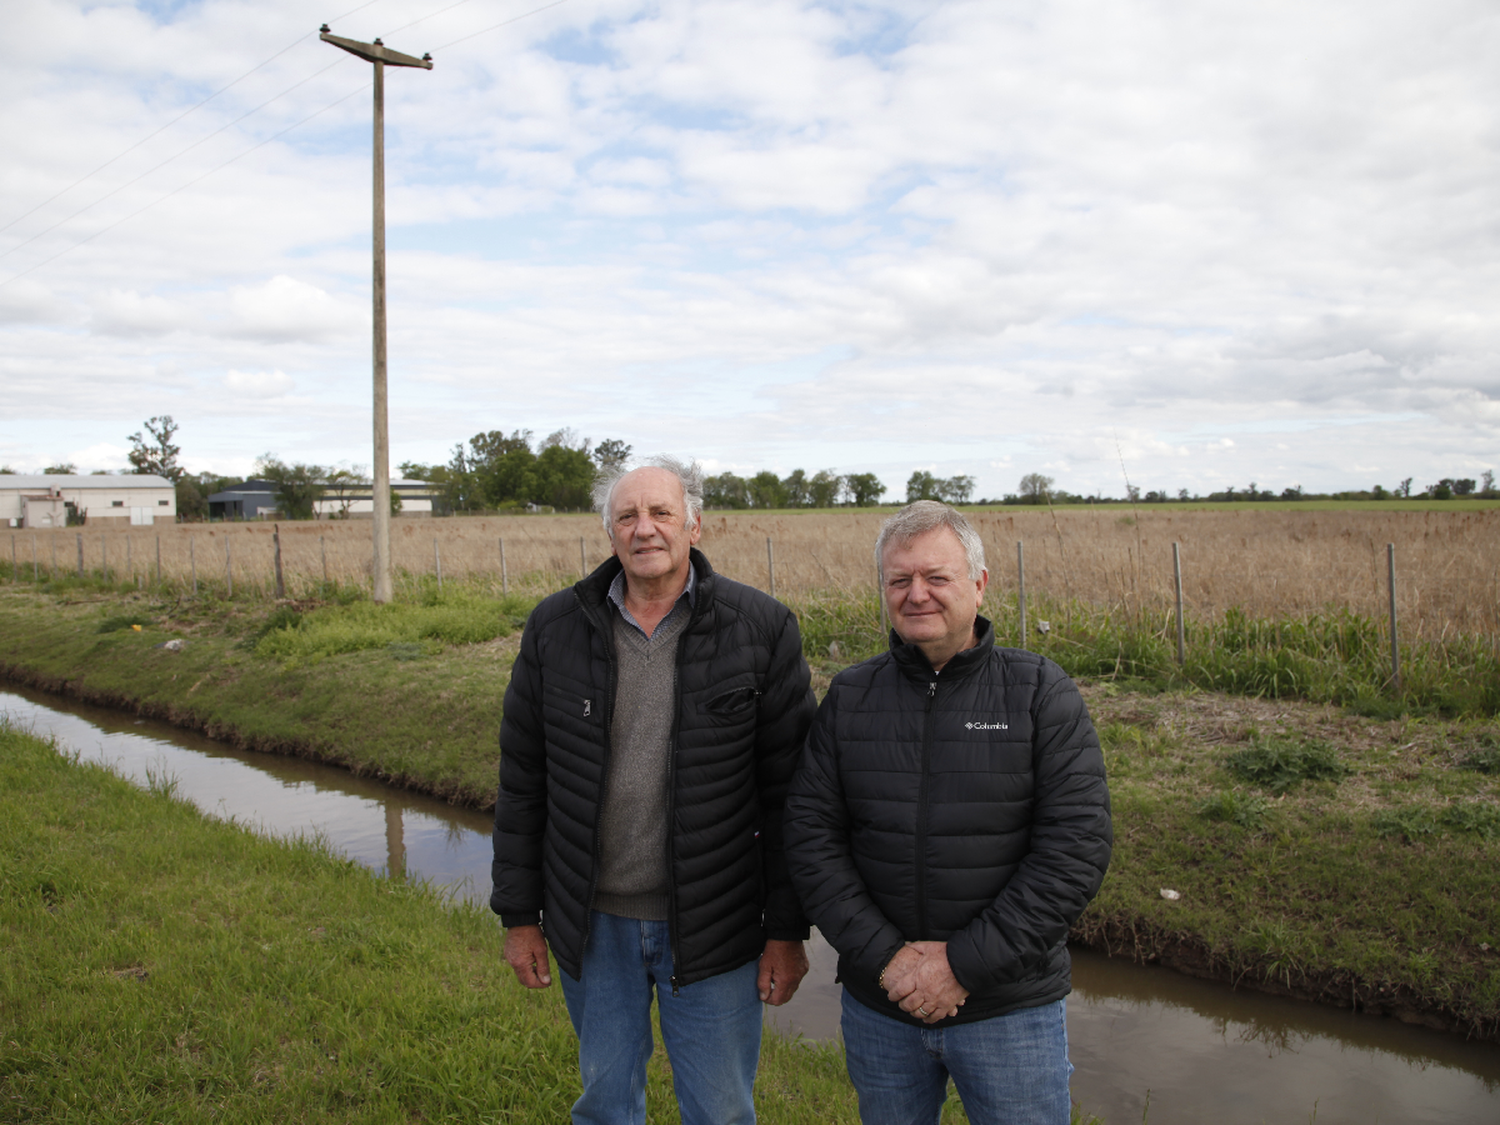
1270	563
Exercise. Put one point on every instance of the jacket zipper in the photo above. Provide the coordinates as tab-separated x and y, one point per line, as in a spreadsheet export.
672	795
922	813
609	710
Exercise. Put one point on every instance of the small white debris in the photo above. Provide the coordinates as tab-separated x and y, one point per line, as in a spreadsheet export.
1484	947
834	652
1170	895
176	644
1044	627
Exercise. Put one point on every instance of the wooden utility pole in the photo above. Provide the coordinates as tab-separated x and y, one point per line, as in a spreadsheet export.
381	56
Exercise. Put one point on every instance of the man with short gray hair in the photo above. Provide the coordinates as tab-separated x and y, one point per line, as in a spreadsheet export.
948	825
653	720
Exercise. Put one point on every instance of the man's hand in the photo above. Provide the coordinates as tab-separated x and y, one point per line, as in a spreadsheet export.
526	952
926	985
782	967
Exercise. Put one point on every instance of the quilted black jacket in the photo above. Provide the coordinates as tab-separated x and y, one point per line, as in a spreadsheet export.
743	708
967	806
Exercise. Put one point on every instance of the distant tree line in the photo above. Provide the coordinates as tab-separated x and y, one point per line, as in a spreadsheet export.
496	471
1038	489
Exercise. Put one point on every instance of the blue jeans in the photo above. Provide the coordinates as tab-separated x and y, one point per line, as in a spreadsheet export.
1009	1070
711	1029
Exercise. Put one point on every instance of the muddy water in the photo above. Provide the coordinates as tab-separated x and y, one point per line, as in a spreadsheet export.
1200	1052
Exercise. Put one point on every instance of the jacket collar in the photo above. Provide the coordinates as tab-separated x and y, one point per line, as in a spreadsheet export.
914	664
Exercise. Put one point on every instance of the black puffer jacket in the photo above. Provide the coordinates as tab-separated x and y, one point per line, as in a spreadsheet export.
967	806
744	704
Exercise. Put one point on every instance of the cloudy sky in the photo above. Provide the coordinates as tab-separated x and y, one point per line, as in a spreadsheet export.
1197	242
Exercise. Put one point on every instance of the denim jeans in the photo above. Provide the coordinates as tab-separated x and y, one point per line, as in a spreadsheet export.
711	1029
1009	1070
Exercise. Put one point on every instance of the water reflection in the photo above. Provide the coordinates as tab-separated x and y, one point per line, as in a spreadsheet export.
1201	1051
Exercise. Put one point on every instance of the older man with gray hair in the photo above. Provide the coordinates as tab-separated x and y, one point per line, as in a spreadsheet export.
948	825
653	720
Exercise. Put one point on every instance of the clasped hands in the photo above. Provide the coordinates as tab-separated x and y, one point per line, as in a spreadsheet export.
919	979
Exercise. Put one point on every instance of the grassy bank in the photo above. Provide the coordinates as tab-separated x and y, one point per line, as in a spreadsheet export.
1338	853
164	966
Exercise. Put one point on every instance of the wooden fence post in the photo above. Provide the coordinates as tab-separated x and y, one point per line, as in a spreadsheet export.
80	554
323	550
504	574
583	559
1390	567
129	559
35	570
1181	629
437	562
158	560
228	569
193	563
53	573
276	542
15	567
771	565
1021	587
103	558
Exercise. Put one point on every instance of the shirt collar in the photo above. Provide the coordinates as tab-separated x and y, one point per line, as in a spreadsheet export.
617	595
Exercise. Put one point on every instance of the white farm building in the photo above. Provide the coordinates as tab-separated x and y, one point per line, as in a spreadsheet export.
45	500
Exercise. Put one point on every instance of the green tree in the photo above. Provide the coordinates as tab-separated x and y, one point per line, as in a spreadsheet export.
342	484
824	490
62	469
726	491
921	485
158	456
766	490
297	487
563	476
1036	488
611	453
865	489
794	490
955	490
193	491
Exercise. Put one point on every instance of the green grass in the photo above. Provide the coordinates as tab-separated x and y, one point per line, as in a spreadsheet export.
1356	864
163	966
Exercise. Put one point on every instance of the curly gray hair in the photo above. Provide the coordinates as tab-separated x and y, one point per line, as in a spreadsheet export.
921	517
688	473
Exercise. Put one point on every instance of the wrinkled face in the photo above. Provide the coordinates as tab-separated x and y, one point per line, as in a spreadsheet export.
647	525
929	594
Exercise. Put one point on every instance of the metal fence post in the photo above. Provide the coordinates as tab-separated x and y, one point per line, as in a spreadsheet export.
158	560
583	559
1181	628
504	574
323	550
193	563
103	558
1021	587
80	554
35	570
228	569
437	562
1390	566
15	567
771	565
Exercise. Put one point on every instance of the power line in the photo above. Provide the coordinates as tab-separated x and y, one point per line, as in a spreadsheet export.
185	186
178	118
168	160
498	26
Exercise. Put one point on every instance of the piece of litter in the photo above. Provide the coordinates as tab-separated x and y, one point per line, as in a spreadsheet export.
136	628
1044	627
1169	894
176	644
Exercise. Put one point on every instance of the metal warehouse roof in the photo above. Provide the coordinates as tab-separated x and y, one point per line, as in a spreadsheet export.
43	481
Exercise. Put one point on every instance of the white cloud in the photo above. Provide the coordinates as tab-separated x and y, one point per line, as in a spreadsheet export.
980	237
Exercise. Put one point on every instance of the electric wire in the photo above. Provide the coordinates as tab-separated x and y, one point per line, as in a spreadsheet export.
202	140
174	121
184	187
236	121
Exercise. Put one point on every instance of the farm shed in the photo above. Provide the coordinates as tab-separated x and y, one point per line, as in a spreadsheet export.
42	500
256	499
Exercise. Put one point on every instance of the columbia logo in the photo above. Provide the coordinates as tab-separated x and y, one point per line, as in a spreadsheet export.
986	726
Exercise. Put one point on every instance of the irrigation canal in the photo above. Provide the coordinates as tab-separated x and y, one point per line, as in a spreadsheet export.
1205	1052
